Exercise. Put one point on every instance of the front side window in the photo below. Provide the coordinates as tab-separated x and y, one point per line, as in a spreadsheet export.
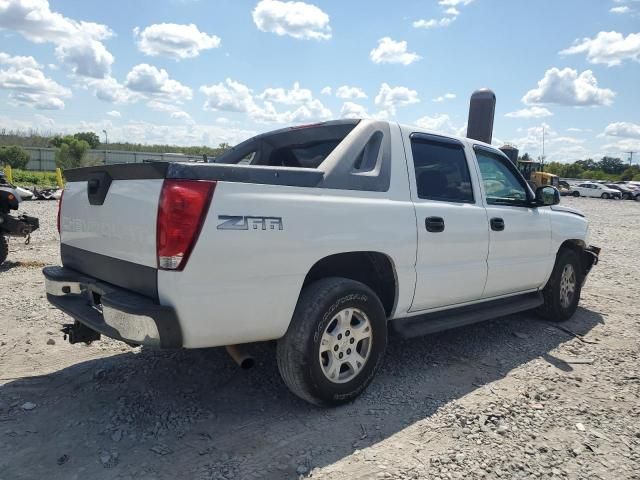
441	170
501	183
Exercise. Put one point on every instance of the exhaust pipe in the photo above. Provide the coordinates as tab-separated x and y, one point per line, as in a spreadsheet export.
482	108
243	358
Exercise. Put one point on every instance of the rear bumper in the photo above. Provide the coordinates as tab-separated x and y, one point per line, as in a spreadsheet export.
112	311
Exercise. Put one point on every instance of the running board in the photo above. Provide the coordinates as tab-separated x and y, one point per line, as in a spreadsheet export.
458	317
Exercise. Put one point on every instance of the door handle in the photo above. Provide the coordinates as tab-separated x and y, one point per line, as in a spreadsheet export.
497	224
434	224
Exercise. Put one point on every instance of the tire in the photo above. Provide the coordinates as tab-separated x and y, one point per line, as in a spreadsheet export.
555	307
605	196
303	363
576	194
637	198
4	249
627	196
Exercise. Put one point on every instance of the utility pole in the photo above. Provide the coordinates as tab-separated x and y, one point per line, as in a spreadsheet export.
630	157
106	139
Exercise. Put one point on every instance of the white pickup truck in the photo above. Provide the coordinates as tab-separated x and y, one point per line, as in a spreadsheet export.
323	237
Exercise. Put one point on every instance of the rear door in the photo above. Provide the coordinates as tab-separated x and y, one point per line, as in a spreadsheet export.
519	235
453	237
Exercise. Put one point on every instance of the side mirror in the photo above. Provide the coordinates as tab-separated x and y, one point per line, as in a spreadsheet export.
547	195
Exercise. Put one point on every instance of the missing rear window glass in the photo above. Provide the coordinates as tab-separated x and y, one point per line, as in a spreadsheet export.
305	147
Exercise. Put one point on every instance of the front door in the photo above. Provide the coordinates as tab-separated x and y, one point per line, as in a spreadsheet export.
519	236
453	235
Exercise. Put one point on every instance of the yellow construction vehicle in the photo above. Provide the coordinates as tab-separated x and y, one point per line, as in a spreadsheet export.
532	172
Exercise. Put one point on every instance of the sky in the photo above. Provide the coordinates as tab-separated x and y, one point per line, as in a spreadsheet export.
203	72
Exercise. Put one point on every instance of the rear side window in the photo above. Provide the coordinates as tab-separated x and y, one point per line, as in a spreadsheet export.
297	147
441	170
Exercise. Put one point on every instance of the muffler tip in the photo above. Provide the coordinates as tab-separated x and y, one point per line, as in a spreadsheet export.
239	355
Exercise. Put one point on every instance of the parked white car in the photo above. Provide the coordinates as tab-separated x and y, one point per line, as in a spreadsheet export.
596	190
327	237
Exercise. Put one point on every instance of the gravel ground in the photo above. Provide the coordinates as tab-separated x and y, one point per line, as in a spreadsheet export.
512	398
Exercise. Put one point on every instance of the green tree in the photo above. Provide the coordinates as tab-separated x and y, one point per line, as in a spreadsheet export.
573	170
14	156
628	174
71	153
588	164
91	138
611	165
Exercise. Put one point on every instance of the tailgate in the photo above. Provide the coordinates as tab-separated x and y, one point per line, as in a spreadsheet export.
108	224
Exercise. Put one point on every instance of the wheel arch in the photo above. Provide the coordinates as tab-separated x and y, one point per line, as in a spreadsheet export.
374	269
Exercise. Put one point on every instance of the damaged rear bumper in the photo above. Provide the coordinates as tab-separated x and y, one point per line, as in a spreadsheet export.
112	311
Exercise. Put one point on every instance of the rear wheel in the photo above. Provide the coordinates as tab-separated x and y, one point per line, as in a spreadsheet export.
576	194
562	292
605	195
335	343
4	249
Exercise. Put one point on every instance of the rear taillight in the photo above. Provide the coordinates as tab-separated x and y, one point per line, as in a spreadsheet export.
183	207
59	209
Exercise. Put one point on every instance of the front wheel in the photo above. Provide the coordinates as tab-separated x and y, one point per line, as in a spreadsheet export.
627	196
562	292
4	249
335	343
576	194
605	196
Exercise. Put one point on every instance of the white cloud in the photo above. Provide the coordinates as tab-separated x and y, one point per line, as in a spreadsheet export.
451	10
531	112
566	87
623	129
149	80
78	43
446	96
296	19
390	98
440	122
349	93
295	96
454	3
229	96
233	96
434	23
27	84
174	40
620	10
114	114
608	48
326	91
390	51
353	110
111	91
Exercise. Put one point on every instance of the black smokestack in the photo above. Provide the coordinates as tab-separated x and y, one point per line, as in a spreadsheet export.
482	108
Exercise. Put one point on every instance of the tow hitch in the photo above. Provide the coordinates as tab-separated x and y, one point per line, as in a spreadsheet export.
78	333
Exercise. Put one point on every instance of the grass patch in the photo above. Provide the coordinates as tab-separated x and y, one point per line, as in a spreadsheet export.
29	178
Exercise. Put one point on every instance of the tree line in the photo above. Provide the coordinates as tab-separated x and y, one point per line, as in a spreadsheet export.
74	150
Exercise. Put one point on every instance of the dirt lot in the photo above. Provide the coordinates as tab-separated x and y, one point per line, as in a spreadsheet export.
512	398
